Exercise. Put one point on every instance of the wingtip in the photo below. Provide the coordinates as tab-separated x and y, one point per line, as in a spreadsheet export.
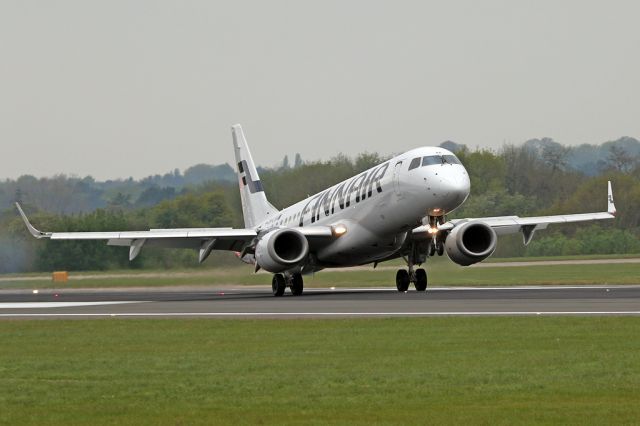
611	207
32	230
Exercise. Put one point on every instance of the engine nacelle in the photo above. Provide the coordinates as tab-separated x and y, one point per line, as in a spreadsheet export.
470	243
281	249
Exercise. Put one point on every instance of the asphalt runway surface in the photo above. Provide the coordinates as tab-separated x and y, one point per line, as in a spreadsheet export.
258	302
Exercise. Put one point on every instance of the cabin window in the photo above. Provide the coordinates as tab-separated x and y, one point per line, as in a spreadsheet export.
415	163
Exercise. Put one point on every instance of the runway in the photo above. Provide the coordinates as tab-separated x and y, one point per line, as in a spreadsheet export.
257	302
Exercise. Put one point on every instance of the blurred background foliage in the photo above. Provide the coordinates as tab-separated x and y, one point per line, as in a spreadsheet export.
537	178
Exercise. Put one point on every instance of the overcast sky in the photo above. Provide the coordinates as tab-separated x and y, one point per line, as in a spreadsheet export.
131	88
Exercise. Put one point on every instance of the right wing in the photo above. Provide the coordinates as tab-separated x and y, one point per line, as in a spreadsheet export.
503	225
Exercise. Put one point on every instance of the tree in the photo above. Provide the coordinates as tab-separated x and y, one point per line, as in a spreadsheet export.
620	160
154	195
298	161
487	170
193	210
555	156
120	201
18	196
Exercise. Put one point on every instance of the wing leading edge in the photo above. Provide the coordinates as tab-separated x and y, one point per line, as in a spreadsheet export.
528	225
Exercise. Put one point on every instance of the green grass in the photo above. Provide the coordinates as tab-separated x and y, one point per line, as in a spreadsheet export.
440	274
504	370
568	257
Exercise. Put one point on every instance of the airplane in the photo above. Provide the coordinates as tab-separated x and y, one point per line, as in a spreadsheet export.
396	209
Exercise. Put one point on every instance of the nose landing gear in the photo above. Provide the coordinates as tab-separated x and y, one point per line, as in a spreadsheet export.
418	254
437	242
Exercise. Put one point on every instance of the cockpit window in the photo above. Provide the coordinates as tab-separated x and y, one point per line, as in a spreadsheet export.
451	159
439	159
431	160
415	163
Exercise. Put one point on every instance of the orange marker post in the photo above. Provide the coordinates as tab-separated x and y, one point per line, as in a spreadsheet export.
60	276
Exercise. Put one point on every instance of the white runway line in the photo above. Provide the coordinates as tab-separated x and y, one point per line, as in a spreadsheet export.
326	314
37	305
459	288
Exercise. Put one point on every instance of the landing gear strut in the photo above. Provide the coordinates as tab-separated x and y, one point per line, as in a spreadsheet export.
436	246
437	243
280	282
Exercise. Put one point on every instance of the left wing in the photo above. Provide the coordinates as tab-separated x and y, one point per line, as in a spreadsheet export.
203	239
503	225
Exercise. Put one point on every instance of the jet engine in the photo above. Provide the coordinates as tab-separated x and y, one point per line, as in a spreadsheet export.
281	249
470	242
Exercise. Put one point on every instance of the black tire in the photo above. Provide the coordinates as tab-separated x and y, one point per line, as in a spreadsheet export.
402	280
297	284
440	248
432	249
421	279
278	285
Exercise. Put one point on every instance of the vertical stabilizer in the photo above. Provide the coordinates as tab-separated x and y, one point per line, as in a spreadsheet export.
255	207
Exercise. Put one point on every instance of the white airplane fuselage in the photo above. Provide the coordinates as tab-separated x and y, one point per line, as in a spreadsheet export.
380	205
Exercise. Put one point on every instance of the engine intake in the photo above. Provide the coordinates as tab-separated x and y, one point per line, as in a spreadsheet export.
281	249
470	243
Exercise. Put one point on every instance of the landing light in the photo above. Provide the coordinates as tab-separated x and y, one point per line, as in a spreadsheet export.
433	231
339	230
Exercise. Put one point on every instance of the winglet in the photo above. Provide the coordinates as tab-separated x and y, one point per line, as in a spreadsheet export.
611	208
32	230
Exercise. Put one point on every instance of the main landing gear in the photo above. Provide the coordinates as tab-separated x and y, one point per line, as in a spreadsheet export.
404	278
280	282
418	255
416	276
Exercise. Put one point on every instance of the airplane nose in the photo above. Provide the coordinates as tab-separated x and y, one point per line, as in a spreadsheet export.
453	190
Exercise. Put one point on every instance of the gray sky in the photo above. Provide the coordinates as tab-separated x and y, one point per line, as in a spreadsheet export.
131	88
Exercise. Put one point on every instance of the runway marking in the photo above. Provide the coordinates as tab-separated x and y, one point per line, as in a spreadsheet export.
323	314
227	291
37	305
459	288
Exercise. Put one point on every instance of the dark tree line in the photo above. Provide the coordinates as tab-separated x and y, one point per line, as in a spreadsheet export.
532	179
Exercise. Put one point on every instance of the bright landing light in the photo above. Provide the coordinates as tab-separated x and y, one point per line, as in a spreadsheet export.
339	230
433	230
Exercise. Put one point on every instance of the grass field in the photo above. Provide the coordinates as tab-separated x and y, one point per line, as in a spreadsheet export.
570	370
441	273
